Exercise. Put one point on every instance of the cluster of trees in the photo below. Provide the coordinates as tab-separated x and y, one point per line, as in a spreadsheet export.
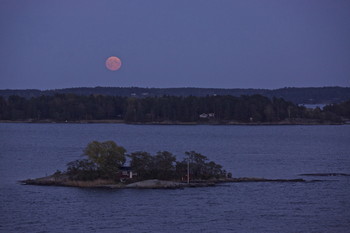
163	165
62	107
342	109
70	107
104	160
303	95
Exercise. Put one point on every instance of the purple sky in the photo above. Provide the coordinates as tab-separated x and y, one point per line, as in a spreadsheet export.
180	43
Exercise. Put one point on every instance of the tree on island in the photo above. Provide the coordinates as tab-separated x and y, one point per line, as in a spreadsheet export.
104	161
199	168
161	166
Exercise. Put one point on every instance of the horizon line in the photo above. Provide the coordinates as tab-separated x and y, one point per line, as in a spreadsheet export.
222	88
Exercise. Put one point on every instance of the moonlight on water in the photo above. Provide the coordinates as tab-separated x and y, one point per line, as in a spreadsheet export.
113	63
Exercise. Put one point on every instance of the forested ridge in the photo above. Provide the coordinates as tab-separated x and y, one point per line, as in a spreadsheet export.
297	95
170	109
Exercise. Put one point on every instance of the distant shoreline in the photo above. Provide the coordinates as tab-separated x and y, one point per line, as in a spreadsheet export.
286	122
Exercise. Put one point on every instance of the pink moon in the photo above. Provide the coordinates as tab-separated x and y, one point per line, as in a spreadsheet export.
113	63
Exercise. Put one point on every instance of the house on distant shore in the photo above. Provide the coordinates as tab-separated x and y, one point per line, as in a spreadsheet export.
207	115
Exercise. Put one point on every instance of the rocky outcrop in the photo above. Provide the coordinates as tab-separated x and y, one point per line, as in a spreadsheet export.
325	174
252	179
155	184
63	180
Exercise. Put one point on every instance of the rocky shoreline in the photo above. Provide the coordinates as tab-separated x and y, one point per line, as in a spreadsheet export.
325	174
63	180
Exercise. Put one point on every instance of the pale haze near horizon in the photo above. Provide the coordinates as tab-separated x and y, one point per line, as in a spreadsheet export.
222	44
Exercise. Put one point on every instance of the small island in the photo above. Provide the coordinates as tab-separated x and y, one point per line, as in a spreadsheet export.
104	167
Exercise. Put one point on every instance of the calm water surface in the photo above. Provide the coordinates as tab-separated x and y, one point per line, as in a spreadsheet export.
34	150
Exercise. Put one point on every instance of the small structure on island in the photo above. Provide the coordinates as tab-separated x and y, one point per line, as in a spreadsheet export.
126	172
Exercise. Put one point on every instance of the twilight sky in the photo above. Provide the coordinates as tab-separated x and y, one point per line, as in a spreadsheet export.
175	43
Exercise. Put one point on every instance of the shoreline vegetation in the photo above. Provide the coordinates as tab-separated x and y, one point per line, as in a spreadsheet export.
169	110
104	167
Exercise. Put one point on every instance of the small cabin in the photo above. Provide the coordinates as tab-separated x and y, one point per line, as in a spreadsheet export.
126	172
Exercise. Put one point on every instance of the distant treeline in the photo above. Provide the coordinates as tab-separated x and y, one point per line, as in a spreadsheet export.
212	109
305	95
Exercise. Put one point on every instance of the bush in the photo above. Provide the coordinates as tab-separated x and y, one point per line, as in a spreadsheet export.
82	170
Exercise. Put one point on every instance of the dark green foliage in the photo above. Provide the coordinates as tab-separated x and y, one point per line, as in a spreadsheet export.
82	170
164	166
106	158
226	108
62	107
342	109
161	166
199	167
142	163
104	161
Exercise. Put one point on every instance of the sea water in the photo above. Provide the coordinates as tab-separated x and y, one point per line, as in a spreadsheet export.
36	150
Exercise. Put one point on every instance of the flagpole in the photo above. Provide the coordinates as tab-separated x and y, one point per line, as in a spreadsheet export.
188	171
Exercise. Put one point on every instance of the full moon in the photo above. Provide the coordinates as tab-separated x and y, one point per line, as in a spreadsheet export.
113	63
